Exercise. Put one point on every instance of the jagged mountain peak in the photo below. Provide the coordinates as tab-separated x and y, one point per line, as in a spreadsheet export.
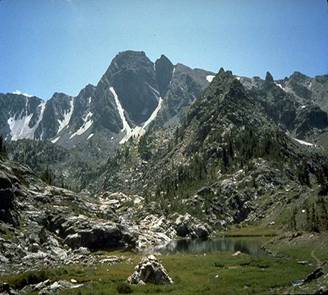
221	83
269	77
132	75
298	75
87	91
164	71
164	59
59	95
128	59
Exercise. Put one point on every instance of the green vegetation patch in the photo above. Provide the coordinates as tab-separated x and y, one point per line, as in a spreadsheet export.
217	273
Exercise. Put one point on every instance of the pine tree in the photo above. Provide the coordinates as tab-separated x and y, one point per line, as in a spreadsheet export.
47	176
225	159
303	174
3	150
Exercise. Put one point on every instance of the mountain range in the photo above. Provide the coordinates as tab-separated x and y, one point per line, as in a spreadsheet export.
134	91
125	101
75	136
157	152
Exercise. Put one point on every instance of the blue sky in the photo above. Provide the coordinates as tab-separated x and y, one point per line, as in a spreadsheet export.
62	45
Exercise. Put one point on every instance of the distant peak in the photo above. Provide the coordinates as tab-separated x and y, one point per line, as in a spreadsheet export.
57	95
298	75
221	71
222	74
164	72
17	92
128	59
87	90
268	77
164	58
130	53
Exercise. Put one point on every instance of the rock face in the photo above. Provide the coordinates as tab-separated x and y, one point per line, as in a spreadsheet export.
8	204
231	142
188	226
150	270
58	226
94	234
164	71
314	275
132	75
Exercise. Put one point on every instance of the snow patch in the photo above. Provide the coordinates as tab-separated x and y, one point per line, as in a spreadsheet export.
42	107
67	117
21	93
209	78
280	86
90	136
85	126
154	114
126	126
55	140
153	89
238	78
303	142
19	125
303	107
138	130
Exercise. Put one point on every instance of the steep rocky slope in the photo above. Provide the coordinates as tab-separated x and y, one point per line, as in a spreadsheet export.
302	115
129	97
229	162
43	225
133	96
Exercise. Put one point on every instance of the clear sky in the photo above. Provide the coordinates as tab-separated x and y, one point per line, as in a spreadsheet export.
62	45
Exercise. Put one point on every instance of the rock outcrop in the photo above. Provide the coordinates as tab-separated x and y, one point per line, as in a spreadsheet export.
8	204
187	226
150	270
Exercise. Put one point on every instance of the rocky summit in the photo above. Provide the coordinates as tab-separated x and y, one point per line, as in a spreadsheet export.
93	185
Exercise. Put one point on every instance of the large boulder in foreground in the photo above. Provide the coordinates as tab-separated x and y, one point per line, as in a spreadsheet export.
150	270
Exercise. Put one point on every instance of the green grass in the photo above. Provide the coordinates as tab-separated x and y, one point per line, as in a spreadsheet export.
219	273
249	231
307	246
214	273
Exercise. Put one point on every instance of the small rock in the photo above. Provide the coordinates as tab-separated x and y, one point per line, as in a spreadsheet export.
314	275
56	287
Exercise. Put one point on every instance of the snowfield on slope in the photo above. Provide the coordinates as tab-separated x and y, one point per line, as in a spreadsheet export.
137	131
19	125
303	142
85	126
209	78
67	116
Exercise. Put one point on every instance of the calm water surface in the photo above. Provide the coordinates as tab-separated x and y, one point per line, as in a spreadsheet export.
247	245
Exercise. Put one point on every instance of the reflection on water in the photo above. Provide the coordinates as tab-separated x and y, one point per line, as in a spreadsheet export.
250	246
